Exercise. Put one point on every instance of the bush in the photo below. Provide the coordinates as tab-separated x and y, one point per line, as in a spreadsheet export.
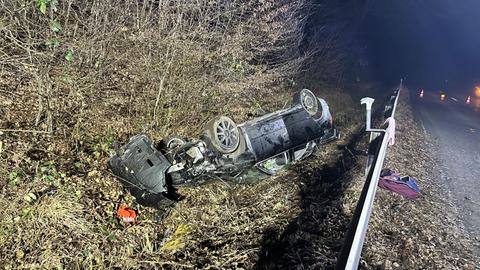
167	63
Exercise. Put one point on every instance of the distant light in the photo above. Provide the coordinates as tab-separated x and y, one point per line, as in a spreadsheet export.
421	93
469	100
477	91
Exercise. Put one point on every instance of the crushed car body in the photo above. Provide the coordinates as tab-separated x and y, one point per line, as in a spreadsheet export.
225	149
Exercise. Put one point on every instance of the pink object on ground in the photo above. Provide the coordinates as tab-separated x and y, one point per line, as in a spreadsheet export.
405	186
391	130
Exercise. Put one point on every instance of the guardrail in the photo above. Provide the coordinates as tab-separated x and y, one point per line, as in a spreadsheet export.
352	247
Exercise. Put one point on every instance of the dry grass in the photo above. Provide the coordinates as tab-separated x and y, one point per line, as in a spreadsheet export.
81	74
166	67
157	65
218	225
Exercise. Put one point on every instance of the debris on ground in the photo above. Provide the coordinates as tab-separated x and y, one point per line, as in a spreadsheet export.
126	214
405	186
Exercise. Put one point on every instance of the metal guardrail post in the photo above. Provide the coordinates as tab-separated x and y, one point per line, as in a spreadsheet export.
351	250
368	103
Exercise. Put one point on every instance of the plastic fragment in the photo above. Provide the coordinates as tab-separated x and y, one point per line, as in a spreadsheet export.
126	214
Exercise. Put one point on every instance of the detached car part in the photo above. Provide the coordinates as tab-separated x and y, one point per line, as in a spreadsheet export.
140	164
268	143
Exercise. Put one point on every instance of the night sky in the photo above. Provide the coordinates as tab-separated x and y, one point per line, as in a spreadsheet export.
429	42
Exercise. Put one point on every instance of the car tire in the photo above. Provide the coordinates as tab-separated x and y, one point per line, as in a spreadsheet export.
223	135
170	143
309	103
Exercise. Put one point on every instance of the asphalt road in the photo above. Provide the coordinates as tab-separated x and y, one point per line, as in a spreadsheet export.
456	126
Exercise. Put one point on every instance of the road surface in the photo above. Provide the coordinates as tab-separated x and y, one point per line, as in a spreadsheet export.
456	127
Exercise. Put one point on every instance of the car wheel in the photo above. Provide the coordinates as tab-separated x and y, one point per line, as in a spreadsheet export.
309	102
169	144
174	142
223	134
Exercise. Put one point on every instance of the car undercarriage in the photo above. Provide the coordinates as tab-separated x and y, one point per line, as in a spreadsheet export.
268	143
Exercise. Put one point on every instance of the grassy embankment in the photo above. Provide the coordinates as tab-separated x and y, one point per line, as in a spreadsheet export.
76	75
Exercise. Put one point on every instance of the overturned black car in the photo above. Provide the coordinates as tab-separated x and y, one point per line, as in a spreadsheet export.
225	149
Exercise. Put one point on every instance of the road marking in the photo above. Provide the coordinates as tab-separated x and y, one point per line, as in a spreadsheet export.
423	126
424	130
421	122
454	99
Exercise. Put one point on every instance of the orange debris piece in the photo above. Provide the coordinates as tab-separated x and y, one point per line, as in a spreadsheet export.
126	214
